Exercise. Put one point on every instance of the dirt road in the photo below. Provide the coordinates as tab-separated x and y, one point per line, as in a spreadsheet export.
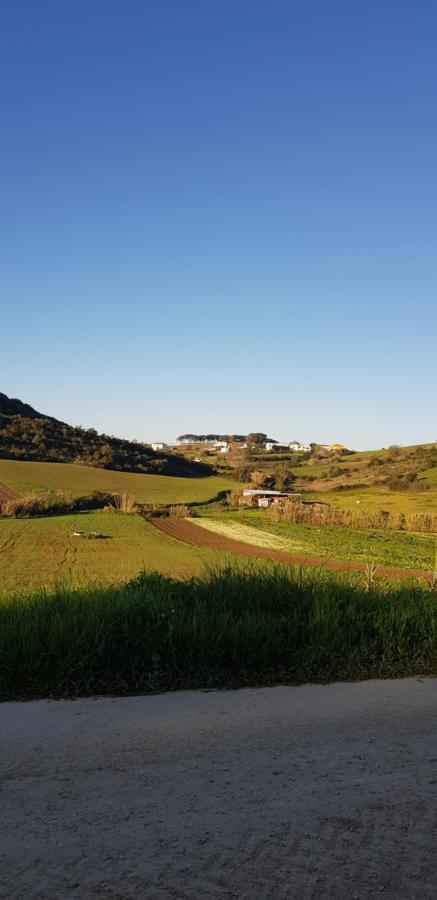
286	792
190	533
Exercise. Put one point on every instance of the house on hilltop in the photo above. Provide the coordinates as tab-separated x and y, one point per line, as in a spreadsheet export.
297	447
159	445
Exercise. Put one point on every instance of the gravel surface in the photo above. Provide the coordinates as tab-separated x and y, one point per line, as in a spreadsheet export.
287	792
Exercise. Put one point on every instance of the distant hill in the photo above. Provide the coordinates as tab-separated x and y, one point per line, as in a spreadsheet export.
12	407
28	434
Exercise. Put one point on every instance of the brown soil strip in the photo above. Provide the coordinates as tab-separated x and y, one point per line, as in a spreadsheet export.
189	533
7	493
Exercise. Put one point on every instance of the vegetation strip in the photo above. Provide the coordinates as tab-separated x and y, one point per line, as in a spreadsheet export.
190	533
231	627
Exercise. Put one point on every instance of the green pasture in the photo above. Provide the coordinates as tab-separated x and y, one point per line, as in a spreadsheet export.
375	499
83	480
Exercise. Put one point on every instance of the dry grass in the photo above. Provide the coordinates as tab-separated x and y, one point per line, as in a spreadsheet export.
321	514
123	503
33	504
180	511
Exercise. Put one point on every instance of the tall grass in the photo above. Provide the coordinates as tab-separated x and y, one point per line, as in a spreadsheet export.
228	628
324	514
181	511
124	503
61	502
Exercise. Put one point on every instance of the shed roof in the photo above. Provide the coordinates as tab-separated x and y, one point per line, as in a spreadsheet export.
249	492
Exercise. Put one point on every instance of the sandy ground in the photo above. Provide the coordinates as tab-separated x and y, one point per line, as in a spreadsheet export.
190	533
314	791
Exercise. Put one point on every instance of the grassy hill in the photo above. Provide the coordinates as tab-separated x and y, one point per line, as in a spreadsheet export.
27	434
396	479
80	481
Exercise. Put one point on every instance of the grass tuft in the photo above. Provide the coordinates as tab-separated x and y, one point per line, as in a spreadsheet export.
228	628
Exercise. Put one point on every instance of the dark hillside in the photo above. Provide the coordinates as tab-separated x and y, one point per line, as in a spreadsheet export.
28	434
10	406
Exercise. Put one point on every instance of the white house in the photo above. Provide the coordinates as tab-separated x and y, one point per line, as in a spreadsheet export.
159	445
296	447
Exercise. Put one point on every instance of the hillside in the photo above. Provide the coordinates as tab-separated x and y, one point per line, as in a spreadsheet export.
396	479
26	434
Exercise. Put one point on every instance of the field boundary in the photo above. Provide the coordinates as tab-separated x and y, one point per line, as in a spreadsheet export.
190	533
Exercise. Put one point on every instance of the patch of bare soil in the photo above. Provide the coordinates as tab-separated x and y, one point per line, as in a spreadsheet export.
326	792
187	531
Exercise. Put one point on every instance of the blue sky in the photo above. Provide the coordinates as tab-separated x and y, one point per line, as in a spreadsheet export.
221	216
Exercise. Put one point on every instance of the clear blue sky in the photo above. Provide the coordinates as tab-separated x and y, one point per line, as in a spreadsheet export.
221	216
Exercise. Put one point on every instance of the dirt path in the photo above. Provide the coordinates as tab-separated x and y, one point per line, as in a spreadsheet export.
190	533
7	493
326	792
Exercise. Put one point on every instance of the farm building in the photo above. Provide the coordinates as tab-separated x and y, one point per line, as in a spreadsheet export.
159	445
263	499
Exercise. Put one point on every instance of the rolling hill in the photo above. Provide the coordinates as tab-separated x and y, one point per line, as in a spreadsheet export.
26	434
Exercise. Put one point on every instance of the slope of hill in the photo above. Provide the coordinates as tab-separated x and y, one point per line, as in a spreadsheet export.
11	406
24	476
30	435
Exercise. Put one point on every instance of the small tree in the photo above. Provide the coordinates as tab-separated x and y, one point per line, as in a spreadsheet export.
256	437
284	479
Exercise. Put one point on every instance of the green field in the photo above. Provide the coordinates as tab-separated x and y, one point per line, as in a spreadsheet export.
376	499
39	552
403	549
83	480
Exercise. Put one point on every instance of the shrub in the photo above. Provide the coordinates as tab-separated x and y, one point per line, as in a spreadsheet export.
233	499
